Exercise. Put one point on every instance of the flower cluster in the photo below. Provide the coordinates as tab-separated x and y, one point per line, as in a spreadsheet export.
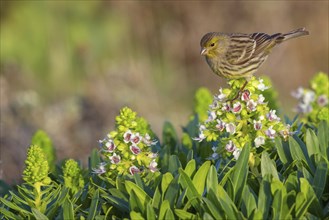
41	139
127	150
73	176
247	119
37	168
313	103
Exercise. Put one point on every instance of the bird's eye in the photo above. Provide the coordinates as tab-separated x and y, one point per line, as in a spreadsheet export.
212	44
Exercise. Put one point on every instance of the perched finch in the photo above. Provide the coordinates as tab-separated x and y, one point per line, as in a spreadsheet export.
235	56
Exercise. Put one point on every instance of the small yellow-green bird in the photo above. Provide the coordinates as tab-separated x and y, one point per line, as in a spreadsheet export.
236	55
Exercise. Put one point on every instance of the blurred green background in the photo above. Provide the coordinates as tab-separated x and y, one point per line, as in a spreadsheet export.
68	66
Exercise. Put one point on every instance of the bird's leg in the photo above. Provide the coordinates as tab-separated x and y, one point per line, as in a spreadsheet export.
239	93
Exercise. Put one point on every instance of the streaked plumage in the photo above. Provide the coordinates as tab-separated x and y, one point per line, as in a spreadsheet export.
237	55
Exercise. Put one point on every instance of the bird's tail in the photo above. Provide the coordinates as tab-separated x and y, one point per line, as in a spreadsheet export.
292	34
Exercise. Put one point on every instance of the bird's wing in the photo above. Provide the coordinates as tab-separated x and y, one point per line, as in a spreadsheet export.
243	47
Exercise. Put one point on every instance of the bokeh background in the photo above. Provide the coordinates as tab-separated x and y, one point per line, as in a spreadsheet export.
67	67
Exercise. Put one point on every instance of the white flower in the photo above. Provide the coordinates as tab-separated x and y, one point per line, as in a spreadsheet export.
245	96
251	105
211	116
226	107
221	96
259	141
304	108
270	132
214	149
298	93
135	149
214	155
261	118
230	147
101	168
271	116
257	125
236	153
220	125
101	142
309	96
153	166
286	132
214	104
115	159
202	128
261	99
135	138
237	107
261	86
230	128
127	136
110	146
133	170
200	138
147	140
322	100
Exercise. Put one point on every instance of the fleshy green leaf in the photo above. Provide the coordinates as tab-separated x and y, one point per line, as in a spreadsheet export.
121	204
136	215
156	201
191	192
323	136
298	152
135	204
320	178
182	214
172	192
68	211
199	179
312	143
279	206
174	164
9	214
212	208
13	206
304	198
143	198
240	174
268	166
207	216
169	215
38	215
93	207
166	180
150	214
264	197
248	202
190	168
212	180
165	206
227	204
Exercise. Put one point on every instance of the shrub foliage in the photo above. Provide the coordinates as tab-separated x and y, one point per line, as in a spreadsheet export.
210	172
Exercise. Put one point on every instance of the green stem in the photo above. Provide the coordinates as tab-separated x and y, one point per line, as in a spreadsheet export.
37	201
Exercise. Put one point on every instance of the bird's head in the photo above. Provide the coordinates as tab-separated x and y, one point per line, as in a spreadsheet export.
213	44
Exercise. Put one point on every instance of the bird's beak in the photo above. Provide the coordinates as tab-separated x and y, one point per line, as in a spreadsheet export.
203	51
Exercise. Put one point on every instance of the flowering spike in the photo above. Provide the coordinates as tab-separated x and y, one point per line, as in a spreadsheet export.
37	167
248	119
126	150
73	176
